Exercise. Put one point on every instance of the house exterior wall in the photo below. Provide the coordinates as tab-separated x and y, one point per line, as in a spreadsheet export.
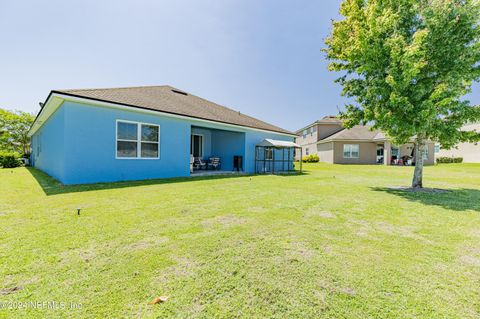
79	145
325	152
310	140
90	150
325	130
48	146
367	153
469	151
226	144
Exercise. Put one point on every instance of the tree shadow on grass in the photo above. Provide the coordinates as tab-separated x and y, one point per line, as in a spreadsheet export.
51	186
454	199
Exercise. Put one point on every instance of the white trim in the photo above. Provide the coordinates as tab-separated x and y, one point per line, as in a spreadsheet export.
138	141
203	143
88	101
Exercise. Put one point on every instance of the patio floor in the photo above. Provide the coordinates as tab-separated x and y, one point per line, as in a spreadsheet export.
214	173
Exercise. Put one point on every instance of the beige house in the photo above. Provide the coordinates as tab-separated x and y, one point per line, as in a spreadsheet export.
359	145
469	151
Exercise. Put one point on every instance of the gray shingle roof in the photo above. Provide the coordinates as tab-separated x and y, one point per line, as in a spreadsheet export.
358	132
170	100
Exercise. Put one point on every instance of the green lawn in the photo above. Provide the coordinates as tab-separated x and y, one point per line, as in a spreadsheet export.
336	242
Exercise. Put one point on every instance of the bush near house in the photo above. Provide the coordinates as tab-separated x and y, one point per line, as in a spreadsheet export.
9	159
449	160
312	158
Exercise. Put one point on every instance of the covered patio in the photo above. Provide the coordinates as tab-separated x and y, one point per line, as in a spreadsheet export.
216	152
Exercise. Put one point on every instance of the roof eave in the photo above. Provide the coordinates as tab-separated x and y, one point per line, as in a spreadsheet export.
56	93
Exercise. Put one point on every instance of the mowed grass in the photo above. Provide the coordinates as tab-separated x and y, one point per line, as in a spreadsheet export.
336	242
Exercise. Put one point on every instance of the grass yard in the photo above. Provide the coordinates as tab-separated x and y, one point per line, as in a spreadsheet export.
335	242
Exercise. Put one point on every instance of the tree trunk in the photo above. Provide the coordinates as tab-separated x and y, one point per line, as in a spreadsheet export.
417	181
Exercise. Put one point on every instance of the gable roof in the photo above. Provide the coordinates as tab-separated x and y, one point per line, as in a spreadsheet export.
356	133
167	99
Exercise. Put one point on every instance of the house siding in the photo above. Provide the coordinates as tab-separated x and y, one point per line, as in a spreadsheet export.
227	144
325	130
368	153
470	152
81	145
325	152
91	149
48	146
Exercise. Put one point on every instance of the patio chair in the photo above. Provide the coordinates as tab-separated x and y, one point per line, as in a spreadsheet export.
214	163
199	163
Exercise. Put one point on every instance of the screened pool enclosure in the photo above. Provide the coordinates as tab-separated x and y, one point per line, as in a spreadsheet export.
276	157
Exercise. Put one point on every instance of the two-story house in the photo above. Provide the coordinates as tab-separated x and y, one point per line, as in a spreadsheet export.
359	145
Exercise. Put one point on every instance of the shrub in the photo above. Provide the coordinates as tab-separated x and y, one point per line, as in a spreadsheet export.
312	158
9	159
448	160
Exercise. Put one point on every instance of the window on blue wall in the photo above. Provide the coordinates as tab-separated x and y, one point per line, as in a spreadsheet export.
149	145
137	140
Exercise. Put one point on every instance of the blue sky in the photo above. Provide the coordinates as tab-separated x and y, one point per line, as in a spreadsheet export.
260	57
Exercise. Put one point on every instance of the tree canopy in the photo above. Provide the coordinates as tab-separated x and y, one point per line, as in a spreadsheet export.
14	126
407	65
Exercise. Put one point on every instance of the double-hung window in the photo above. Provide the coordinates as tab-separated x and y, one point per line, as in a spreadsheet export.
351	151
137	140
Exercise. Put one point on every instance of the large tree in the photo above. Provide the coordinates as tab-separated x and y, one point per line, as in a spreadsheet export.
407	65
14	126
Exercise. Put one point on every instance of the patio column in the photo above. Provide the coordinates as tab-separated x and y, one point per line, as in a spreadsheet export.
387	152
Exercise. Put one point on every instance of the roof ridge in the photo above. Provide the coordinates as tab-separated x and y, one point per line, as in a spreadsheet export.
121	88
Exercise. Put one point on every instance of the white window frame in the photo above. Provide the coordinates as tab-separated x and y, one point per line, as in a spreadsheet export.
350	151
307	151
202	146
139	141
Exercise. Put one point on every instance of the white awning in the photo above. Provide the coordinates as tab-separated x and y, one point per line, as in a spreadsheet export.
276	143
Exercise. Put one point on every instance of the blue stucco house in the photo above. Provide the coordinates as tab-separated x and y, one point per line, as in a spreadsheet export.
117	134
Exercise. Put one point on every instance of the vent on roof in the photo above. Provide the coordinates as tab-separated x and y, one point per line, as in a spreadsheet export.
179	92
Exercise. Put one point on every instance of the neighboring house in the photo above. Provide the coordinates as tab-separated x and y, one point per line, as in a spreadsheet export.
359	145
103	135
470	152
